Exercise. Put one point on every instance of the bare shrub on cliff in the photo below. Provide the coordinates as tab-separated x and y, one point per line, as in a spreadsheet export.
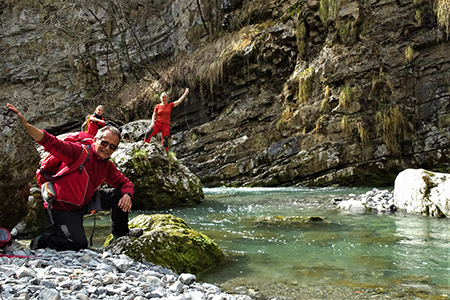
345	125
287	114
442	9
363	131
392	125
207	65
346	97
305	85
301	34
409	54
329	10
325	104
380	90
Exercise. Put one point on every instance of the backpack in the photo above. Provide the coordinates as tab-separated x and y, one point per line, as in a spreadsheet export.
85	125
5	238
50	165
47	189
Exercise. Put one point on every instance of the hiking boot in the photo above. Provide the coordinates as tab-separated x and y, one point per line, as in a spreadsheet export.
34	243
136	232
133	232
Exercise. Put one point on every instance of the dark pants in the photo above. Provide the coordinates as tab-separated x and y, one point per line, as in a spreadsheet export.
69	224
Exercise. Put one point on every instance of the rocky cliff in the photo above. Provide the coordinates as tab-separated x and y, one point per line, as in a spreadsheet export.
63	58
324	93
282	92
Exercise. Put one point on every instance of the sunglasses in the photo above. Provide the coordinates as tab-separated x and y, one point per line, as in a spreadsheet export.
106	144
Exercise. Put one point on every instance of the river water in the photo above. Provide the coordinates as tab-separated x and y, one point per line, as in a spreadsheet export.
361	254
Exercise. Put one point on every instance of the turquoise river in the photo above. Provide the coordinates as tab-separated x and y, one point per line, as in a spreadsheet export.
352	255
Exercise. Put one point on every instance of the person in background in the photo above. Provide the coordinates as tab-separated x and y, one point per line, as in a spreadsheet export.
74	191
161	118
96	121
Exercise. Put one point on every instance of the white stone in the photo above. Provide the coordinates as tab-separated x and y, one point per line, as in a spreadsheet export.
423	192
353	205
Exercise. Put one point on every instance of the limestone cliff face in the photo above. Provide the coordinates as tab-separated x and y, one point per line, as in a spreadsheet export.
348	96
295	92
60	59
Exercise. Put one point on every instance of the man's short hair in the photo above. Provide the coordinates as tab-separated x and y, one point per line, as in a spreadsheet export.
113	130
100	106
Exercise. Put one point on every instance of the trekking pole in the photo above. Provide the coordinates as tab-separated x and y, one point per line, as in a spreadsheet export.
93	228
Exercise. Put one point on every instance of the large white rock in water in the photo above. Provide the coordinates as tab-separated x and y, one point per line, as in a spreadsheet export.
423	192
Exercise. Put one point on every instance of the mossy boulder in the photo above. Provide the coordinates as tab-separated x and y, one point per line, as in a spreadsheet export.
293	222
168	241
159	179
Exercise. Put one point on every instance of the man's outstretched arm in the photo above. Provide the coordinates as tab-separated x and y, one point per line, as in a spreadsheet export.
37	134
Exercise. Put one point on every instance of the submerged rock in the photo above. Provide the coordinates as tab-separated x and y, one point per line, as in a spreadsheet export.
293	221
423	192
170	242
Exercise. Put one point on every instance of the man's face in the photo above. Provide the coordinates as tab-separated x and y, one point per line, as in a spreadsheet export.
99	111
103	146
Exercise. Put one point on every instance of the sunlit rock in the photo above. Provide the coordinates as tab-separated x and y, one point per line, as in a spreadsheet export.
354	205
135	131
159	179
423	192
168	241
374	201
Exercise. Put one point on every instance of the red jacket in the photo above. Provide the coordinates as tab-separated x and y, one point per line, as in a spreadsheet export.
94	126
79	188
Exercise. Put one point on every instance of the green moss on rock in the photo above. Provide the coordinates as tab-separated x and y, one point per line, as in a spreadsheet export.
168	241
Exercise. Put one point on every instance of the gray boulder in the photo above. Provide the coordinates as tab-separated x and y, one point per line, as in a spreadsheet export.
159	179
135	131
18	162
423	192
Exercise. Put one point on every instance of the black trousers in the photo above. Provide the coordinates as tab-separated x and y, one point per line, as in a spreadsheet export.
69	224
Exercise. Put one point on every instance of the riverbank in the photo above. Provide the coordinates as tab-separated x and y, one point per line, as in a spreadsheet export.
95	274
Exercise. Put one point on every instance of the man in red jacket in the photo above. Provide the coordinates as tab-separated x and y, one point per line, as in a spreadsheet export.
75	190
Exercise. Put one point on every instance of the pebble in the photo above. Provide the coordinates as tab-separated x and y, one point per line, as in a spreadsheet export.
95	274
